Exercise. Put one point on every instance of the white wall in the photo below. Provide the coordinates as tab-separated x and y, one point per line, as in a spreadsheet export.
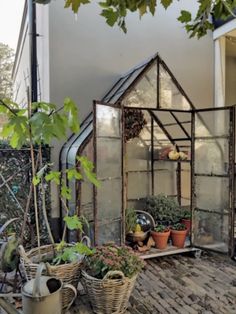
86	56
21	72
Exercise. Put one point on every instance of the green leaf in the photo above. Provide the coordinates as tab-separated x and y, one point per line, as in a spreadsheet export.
110	15
88	167
75	4
185	17
36	180
65	191
71	109
73	223
166	3
73	174
53	176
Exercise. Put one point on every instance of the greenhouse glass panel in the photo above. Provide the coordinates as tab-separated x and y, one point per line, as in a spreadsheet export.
212	123
211	231
108	160
211	156
144	92
170	95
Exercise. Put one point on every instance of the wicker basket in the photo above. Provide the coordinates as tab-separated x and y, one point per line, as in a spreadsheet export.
68	273
107	295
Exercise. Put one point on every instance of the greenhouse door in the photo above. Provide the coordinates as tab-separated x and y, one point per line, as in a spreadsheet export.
213	206
108	157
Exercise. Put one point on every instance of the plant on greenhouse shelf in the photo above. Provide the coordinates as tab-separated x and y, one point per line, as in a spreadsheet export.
164	209
186	219
160	235
178	235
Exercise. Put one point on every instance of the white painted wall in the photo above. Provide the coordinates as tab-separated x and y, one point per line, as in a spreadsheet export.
86	56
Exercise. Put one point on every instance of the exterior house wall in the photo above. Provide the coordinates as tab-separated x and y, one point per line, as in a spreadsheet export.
87	56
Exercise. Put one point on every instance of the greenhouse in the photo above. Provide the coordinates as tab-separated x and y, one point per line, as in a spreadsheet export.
146	138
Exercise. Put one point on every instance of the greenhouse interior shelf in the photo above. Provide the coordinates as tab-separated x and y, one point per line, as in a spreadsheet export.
147	141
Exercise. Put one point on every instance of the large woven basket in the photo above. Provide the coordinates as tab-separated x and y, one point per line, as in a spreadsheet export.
68	273
107	295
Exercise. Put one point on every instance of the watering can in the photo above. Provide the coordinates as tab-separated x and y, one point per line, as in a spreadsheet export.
43	294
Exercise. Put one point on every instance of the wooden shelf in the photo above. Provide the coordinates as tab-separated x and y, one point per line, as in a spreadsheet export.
169	160
170	250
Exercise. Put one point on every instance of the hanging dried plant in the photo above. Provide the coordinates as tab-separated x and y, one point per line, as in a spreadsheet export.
134	123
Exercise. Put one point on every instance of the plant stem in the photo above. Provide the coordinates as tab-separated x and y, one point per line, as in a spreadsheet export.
44	200
6	106
67	211
33	174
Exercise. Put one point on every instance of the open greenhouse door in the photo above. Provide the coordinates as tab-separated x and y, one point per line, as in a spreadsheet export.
213	136
108	157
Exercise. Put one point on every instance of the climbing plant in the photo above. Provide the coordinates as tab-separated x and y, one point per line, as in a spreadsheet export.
38	125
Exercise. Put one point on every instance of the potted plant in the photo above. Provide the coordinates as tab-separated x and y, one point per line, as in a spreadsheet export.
164	209
39	125
160	235
178	235
109	276
186	219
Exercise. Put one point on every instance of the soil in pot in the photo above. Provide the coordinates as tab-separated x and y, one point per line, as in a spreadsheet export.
161	239
178	237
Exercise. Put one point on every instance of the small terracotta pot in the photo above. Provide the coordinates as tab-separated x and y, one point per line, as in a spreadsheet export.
161	239
187	223
178	237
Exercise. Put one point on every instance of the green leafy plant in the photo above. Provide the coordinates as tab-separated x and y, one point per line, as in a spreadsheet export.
130	219
37	125
185	214
178	227
161	228
163	208
70	253
113	257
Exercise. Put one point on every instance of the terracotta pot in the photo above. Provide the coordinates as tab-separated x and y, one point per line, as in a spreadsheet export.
187	223
161	239
178	237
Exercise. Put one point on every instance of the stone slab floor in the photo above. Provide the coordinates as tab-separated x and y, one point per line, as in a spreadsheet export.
181	284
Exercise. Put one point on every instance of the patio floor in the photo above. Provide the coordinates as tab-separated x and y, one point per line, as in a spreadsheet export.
181	284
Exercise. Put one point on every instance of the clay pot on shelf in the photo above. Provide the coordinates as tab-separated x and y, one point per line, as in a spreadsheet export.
161	235
178	235
187	223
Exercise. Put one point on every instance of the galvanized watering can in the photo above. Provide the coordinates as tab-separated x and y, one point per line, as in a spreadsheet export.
43	294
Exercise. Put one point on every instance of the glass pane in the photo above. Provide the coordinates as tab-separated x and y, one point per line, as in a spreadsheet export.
139	185
109	202
144	93
108	121
211	231
108	157
165	181
211	156
170	96
109	232
212	123
212	193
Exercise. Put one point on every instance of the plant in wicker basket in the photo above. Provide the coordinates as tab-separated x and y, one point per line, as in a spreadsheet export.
109	276
134	123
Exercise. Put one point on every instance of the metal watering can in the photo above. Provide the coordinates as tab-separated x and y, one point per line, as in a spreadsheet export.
43	294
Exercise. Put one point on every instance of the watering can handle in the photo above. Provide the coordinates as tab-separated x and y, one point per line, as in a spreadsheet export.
67	285
36	290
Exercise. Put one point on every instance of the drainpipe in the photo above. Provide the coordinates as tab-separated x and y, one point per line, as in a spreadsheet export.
33	49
